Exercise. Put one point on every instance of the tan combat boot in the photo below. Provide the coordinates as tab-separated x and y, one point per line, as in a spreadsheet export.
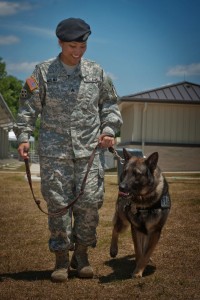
60	273
80	262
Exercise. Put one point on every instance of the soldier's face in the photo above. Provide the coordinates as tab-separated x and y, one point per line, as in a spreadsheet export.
72	52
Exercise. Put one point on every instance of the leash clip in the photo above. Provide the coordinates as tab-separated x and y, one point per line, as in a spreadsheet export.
114	152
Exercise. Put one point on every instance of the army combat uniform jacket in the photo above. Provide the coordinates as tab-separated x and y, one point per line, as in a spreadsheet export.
74	110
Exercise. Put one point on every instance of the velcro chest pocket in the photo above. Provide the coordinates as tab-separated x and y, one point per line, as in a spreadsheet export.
89	87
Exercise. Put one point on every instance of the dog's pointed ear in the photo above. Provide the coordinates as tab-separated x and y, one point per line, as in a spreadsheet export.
152	161
126	154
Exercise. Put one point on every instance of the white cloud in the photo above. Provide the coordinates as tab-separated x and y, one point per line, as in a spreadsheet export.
39	31
21	67
12	8
8	40
185	70
111	75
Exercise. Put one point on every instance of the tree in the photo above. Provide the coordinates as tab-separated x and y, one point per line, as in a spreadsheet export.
10	88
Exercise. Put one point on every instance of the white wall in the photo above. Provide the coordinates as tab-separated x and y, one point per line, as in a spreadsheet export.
173	123
163	123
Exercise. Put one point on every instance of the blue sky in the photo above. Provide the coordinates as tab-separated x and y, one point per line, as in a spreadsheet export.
141	44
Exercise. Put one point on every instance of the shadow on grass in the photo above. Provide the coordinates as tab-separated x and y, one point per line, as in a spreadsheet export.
123	268
27	275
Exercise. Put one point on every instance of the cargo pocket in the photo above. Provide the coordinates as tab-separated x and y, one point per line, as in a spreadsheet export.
55	182
55	194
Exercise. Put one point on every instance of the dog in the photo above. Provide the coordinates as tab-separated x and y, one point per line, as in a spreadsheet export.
144	203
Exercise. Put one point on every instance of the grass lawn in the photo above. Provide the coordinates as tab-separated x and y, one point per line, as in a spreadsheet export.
26	263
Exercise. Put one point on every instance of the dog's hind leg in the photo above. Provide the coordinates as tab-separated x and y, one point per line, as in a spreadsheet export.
145	245
120	225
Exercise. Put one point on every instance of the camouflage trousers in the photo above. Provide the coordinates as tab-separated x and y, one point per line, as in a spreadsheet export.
61	180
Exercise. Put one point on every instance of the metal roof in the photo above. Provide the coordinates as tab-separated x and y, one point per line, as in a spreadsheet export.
6	117
183	92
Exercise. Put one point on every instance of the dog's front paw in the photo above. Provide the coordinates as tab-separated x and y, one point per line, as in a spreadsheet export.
113	251
137	274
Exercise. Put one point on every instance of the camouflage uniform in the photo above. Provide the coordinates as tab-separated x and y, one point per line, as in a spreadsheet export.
74	111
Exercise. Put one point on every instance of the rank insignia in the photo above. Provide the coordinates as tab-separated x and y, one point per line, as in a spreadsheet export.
23	93
32	84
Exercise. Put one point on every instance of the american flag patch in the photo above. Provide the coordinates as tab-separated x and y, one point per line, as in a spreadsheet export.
31	83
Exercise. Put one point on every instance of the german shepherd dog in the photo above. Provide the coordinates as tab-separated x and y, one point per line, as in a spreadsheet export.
144	203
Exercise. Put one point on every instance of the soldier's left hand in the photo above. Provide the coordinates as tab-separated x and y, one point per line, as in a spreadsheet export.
106	141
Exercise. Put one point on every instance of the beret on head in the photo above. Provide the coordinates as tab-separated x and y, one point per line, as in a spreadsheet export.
73	29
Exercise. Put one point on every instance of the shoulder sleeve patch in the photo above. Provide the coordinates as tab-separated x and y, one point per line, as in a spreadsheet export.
32	84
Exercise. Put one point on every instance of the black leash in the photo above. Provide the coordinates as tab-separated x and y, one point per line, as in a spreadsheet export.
62	211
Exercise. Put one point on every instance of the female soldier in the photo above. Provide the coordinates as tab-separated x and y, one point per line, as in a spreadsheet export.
78	107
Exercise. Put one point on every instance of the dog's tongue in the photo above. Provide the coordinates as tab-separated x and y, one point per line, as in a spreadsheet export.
122	194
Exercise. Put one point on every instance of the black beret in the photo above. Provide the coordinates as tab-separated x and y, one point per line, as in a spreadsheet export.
73	29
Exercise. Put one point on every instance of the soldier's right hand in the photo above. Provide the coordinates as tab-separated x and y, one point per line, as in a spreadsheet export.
23	150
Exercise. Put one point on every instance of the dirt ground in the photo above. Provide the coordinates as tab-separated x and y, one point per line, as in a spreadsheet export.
26	263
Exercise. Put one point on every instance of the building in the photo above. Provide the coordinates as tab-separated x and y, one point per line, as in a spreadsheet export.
167	120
